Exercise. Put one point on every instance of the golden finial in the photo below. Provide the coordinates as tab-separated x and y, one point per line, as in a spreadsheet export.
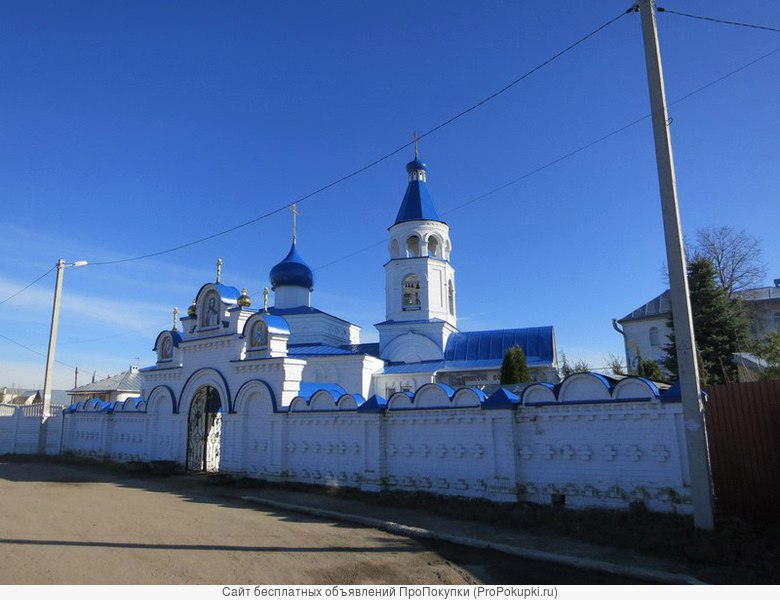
295	213
416	147
175	316
192	311
244	300
219	269
265	301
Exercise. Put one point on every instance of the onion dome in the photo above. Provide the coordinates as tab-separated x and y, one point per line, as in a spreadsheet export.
292	271
417	204
192	311
244	300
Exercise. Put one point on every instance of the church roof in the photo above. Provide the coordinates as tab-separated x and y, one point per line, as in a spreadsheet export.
538	344
129	381
292	271
417	204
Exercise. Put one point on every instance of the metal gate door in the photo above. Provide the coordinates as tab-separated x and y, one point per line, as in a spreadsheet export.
204	431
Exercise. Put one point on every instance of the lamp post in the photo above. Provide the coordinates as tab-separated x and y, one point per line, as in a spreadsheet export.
55	321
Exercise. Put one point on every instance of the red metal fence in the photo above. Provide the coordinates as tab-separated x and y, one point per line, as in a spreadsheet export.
743	430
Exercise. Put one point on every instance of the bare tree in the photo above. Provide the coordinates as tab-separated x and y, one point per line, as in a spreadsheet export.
735	255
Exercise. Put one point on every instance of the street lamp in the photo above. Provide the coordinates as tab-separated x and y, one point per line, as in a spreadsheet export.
55	321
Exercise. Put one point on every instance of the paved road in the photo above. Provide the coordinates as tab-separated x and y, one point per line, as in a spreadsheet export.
73	524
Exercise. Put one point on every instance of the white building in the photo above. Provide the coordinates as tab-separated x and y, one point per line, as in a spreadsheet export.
646	330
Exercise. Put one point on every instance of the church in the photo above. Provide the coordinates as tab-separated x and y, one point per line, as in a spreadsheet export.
306	350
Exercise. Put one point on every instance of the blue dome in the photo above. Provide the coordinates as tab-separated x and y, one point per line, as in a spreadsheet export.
415	165
292	271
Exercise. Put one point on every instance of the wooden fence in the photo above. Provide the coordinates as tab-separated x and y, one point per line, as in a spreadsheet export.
743	430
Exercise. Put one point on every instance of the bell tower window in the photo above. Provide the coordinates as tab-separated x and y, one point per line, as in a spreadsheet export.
413	246
433	246
411	293
451	297
394	251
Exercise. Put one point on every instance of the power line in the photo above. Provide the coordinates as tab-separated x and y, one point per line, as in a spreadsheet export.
723	21
571	153
32	283
378	160
35	351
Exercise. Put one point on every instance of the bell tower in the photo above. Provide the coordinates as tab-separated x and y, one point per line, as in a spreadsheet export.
419	279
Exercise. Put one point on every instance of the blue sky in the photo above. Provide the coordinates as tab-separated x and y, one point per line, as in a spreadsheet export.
130	127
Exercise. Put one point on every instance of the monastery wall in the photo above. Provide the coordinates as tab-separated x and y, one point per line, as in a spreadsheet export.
623	445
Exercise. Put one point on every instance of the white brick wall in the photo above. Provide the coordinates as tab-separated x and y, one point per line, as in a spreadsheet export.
624	445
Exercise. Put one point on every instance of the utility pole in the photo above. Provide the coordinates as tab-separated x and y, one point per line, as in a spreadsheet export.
55	323
687	367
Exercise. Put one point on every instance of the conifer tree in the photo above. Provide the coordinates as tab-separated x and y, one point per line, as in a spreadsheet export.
719	324
514	368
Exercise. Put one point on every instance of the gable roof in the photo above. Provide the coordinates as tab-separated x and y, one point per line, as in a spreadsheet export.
129	381
660	305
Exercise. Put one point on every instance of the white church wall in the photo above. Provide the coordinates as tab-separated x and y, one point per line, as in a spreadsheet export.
623	446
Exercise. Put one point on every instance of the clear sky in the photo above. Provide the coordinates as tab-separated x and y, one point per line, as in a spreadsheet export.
130	127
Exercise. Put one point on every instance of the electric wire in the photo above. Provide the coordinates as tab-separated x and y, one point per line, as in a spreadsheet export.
569	154
379	160
29	285
714	20
35	351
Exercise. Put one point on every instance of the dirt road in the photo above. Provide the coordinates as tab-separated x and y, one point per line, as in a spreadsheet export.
68	524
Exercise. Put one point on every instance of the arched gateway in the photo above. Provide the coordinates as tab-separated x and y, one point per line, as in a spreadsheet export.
204	431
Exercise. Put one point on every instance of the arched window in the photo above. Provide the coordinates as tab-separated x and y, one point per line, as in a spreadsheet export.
259	336
394	251
451	297
433	246
413	246
654	341
411	293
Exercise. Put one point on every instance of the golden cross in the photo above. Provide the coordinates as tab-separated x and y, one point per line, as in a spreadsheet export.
416	147
219	269
175	316
265	301
295	213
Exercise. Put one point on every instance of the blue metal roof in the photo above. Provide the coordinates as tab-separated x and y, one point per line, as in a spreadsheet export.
370	348
538	344
417	204
303	310
317	350
292	270
374	404
309	388
501	398
227	293
175	338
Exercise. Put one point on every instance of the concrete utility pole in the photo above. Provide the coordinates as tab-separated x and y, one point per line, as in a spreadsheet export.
55	323
688	370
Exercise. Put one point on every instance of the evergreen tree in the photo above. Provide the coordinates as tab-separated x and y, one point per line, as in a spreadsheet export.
649	369
719	324
769	350
514	368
